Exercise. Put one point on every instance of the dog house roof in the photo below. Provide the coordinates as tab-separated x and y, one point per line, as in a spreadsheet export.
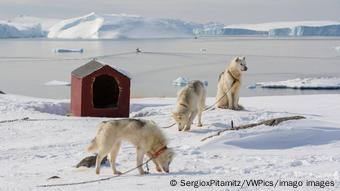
91	67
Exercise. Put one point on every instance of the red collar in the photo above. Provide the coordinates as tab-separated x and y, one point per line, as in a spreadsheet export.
159	152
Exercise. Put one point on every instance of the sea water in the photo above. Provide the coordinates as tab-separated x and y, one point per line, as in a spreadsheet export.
27	64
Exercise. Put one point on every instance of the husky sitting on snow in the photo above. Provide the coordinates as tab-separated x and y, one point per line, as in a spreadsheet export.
229	82
144	134
190	102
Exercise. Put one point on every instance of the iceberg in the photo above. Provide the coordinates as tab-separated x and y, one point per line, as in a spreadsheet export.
115	26
123	26
18	30
64	50
26	27
337	48
324	83
182	81
302	28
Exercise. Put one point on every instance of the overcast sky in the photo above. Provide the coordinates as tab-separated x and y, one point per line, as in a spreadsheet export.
223	11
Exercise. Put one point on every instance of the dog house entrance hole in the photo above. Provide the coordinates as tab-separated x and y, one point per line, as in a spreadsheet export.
105	92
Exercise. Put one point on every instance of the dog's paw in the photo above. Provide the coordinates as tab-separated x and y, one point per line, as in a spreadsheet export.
143	172
117	173
199	125
237	108
158	169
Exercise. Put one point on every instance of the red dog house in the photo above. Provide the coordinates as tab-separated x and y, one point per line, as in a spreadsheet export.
99	90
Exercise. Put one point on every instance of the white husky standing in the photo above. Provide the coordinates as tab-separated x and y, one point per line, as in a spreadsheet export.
144	134
190	102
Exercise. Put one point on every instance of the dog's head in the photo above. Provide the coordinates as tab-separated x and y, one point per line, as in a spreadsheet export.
165	159
240	63
181	117
237	66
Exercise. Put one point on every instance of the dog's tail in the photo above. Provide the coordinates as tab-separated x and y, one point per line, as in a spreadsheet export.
92	147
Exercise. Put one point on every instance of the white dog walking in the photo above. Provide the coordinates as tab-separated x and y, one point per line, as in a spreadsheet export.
190	102
229	82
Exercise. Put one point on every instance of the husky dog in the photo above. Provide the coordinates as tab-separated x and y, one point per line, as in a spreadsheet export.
144	134
190	101
230	81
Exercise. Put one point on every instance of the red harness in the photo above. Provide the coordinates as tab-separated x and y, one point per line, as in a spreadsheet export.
159	152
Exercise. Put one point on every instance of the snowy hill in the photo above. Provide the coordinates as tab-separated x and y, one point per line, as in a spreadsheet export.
301	150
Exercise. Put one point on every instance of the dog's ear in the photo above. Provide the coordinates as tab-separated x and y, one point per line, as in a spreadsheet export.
243	58
237	59
176	115
171	153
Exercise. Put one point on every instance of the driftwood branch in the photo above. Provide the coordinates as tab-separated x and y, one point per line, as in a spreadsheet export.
269	122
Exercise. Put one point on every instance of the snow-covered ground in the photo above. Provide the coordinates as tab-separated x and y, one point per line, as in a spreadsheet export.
303	83
32	151
114	26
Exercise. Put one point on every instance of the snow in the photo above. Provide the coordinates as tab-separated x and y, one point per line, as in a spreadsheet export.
32	151
57	83
337	48
304	83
